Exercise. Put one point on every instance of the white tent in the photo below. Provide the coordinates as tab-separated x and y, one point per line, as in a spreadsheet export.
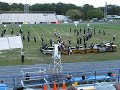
28	17
10	42
4	43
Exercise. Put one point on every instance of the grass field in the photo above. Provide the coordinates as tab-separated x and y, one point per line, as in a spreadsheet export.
32	49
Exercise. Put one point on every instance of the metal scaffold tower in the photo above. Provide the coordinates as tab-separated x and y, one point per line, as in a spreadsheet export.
26	8
105	11
56	58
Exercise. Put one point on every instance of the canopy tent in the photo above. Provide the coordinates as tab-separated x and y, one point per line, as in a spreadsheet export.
10	43
4	43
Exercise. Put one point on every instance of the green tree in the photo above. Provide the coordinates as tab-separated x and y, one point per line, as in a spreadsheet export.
59	8
113	10
85	9
74	14
15	9
96	13
4	6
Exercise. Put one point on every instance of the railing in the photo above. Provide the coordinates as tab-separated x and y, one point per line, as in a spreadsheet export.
28	12
15	81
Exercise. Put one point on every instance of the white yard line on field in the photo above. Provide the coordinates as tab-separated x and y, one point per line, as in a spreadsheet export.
65	33
35	32
46	29
2	56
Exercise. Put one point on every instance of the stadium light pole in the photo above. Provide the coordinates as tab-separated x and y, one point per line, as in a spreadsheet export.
26	7
105	11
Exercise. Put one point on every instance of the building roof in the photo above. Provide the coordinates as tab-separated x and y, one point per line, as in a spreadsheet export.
113	17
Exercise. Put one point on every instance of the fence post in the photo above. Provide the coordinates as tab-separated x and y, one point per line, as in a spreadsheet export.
118	75
95	79
14	82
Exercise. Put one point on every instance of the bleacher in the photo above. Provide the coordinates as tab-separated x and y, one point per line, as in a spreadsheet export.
29	18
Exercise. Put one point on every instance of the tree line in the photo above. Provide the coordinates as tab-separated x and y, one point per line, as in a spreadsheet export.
85	12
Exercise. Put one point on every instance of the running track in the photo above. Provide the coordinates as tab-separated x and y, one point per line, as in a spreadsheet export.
10	71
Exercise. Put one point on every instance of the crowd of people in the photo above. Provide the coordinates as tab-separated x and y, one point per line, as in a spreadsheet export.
19	33
4	32
82	36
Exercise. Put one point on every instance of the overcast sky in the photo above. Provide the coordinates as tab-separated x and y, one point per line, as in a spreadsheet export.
96	3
